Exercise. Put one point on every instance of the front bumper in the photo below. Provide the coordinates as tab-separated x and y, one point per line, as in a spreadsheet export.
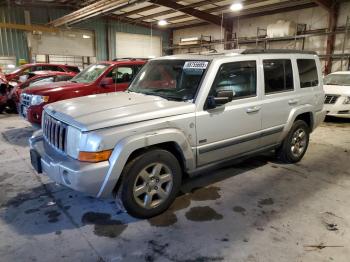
80	176
31	113
338	110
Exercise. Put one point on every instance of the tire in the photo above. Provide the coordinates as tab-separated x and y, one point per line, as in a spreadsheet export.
294	146
145	189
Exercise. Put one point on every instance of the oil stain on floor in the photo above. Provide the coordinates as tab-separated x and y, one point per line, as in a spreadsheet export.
201	214
169	217
104	225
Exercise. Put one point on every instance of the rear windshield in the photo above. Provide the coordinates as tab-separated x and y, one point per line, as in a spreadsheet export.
74	69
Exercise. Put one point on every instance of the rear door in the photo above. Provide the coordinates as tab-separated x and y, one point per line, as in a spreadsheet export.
280	96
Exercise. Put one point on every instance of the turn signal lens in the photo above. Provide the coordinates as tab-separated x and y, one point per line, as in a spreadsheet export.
94	157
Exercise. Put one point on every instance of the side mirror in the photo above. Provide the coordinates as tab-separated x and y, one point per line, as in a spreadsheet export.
106	81
222	97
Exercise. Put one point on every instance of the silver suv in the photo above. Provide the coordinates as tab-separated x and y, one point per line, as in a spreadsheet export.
181	115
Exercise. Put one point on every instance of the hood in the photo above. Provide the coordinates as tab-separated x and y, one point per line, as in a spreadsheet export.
115	109
337	90
47	89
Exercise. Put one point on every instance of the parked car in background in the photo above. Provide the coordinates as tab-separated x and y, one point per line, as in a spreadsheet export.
37	78
3	92
337	97
16	73
99	78
181	115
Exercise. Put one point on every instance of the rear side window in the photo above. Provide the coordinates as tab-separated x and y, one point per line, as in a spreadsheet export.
278	75
307	73
73	69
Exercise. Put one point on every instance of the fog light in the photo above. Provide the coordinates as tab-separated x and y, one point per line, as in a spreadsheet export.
65	177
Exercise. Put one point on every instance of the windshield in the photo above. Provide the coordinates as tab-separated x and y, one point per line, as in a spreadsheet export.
90	74
14	70
170	79
337	79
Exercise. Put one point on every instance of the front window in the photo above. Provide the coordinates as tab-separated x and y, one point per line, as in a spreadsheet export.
90	74
170	79
337	80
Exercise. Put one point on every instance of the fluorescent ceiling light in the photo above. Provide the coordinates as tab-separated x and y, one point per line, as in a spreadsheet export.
86	36
162	22
236	7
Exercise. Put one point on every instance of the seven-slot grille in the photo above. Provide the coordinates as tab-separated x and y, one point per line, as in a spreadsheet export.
55	132
330	99
25	99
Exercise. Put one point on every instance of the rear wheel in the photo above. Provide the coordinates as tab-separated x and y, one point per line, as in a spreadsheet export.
150	183
294	146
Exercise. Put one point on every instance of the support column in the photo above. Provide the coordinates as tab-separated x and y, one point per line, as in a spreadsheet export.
332	25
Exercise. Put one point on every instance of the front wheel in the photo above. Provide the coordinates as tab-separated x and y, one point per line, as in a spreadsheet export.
150	183
294	146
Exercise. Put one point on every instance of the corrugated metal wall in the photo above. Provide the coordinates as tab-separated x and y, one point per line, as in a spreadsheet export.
14	42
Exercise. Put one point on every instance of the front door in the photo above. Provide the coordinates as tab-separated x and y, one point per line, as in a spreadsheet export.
234	128
121	77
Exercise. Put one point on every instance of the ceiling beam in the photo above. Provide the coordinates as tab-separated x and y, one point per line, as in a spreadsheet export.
213	19
326	4
167	12
256	12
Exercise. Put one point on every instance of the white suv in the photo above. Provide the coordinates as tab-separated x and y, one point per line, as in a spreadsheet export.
181	115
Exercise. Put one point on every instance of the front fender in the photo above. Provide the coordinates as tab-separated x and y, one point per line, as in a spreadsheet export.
128	145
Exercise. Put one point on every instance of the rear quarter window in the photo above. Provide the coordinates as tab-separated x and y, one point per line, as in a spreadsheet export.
307	73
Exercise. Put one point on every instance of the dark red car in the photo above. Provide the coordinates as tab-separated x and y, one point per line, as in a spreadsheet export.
103	77
3	91
36	79
28	68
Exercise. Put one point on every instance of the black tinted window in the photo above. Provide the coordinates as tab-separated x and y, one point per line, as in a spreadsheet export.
278	75
239	77
73	69
307	72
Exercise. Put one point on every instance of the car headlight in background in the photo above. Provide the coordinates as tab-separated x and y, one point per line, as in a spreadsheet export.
37	100
347	100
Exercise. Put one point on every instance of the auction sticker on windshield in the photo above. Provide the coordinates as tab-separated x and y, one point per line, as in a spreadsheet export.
195	65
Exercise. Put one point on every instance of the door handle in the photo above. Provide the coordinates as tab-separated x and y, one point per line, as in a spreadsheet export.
253	109
293	102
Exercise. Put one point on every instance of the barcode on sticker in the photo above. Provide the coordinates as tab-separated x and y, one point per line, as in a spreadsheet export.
196	65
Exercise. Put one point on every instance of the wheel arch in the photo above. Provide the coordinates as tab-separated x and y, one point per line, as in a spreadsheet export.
170	139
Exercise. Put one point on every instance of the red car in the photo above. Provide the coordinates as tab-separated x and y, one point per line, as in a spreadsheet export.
28	68
3	91
103	77
36	79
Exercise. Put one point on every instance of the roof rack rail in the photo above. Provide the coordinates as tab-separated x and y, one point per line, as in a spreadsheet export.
276	51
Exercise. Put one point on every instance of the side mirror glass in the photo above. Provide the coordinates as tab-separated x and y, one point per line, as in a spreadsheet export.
222	97
107	81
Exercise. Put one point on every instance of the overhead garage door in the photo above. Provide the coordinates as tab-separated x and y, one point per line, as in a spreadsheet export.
138	46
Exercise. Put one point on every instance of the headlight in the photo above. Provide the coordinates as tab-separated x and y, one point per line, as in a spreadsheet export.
347	100
37	100
73	142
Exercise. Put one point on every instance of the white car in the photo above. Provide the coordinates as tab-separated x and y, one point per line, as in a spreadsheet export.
337	98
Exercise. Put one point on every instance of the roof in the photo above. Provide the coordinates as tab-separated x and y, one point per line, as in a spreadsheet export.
235	52
341	73
124	61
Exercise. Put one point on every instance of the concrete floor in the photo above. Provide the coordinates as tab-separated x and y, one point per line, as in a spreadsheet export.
258	210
